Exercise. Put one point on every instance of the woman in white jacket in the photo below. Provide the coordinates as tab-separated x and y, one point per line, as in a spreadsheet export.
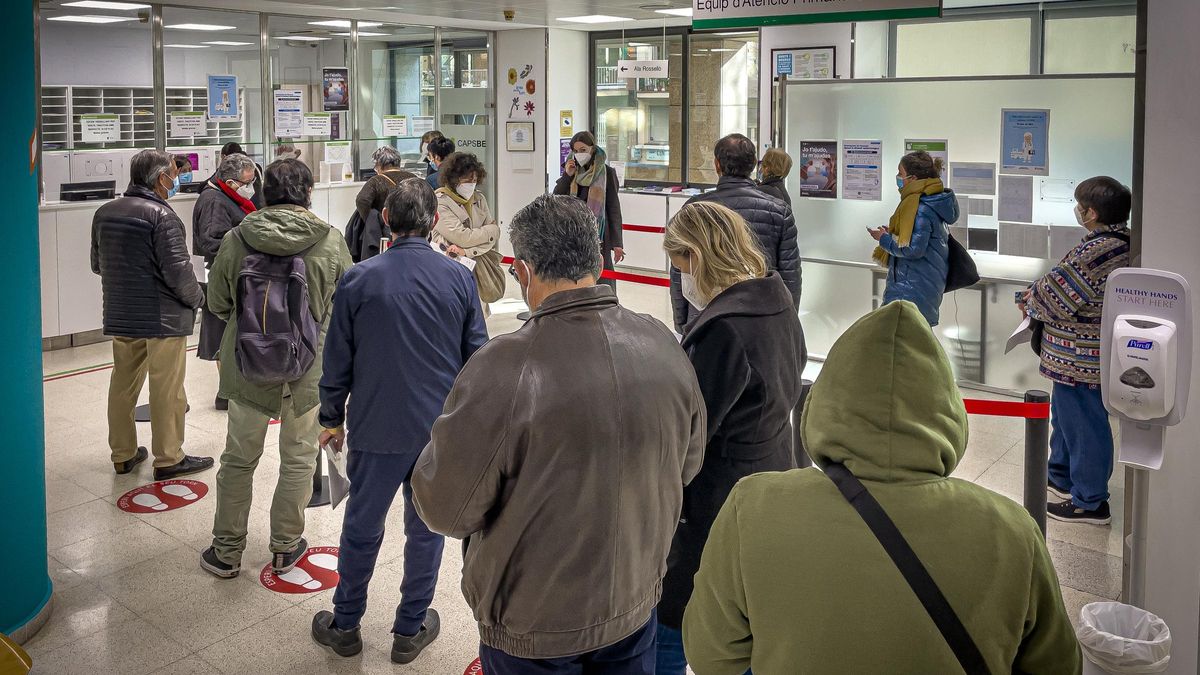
465	226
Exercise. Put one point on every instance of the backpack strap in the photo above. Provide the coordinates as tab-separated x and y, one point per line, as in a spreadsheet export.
910	566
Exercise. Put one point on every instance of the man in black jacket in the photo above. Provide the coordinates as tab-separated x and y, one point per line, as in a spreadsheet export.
770	219
139	249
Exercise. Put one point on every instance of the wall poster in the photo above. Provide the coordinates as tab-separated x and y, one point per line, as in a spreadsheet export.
862	170
335	89
938	148
223	97
289	112
818	169
1025	142
809	63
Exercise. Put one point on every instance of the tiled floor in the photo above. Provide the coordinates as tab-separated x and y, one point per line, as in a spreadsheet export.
131	598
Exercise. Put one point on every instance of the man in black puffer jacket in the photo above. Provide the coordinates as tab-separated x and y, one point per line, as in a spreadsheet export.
770	219
139	249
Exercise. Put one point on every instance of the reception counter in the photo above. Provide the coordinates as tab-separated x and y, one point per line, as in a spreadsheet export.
71	296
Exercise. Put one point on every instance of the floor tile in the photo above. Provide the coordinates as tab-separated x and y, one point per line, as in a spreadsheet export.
83	521
191	665
1007	479
989	445
1086	570
79	612
113	551
127	648
1075	600
215	610
62	493
61	576
972	467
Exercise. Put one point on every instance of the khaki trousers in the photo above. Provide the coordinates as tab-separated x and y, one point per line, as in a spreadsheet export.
165	359
235	480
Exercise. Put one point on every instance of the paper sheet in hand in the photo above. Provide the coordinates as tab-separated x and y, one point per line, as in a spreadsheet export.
1021	336
339	481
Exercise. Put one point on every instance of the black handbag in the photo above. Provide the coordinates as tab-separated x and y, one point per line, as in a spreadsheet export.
910	566
961	271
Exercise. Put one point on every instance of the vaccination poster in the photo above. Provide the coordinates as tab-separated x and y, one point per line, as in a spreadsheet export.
862	166
335	89
223	98
818	169
1025	142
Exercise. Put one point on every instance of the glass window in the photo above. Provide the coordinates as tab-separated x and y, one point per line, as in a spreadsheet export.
97	94
964	48
640	121
1090	44
302	50
465	93
198	43
396	71
723	96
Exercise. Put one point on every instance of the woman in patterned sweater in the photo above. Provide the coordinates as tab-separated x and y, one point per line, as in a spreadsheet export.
1069	301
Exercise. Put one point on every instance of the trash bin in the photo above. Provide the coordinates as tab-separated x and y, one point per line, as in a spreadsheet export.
1120	638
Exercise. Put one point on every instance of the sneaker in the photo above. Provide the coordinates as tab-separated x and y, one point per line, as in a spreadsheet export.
187	466
221	403
282	563
406	648
128	465
1057	491
213	565
1068	512
343	642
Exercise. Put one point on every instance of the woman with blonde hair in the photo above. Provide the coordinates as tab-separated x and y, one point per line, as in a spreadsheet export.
748	351
775	167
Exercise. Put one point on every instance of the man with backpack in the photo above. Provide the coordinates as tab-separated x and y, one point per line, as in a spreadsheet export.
405	323
273	282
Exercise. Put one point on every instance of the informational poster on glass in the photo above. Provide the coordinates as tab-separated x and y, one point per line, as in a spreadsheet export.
289	113
818	169
1025	142
973	178
862	171
395	126
938	148
422	124
564	151
317	124
335	89
223	98
1016	199
100	128
188	123
337	151
809	63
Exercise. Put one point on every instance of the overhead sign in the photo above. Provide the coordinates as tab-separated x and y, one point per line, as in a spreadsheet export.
632	69
746	13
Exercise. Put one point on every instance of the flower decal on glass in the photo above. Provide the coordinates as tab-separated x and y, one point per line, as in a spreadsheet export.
529	107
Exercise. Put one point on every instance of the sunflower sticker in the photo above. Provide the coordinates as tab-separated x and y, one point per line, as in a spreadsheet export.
512	75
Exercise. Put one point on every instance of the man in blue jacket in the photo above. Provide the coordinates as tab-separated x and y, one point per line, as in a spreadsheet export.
404	323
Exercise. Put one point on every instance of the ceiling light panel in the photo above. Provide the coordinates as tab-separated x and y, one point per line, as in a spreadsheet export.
200	26
103	4
186	46
679	11
228	43
593	18
344	23
302	38
73	18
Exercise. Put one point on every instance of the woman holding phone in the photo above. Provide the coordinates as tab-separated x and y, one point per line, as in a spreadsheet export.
588	176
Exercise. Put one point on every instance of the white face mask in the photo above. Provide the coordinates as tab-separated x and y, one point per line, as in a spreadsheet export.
582	158
691	292
1079	217
465	190
245	191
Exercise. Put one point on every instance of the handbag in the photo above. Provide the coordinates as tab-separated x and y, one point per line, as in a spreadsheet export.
961	271
489	276
1037	329
910	566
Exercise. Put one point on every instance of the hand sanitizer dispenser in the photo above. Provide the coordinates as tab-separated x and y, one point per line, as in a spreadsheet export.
1145	357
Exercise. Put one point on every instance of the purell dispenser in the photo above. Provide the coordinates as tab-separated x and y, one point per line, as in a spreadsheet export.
1142	377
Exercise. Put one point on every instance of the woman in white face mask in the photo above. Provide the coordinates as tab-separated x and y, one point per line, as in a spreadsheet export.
465	226
587	175
748	351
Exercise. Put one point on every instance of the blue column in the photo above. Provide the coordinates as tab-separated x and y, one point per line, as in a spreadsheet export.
24	581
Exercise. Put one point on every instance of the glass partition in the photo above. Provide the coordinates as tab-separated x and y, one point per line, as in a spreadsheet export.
994	46
722	96
465	91
396	71
1090	44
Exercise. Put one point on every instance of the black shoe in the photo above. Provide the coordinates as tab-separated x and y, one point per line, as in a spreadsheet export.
406	648
188	466
131	464
282	563
343	642
1068	512
1057	491
221	403
213	565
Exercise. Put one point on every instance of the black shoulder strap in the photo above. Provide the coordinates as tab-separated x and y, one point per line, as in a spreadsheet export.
906	560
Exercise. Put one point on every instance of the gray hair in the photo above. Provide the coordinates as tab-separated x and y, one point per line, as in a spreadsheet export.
233	166
558	237
411	206
387	156
147	166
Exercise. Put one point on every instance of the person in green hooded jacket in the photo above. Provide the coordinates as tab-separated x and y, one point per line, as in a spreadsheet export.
792	580
284	228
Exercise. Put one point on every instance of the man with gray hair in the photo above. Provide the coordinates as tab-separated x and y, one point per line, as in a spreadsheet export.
561	455
388	175
403	325
139	249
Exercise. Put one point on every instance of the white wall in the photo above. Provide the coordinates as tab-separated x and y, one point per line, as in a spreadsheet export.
566	89
1170	240
793	37
520	176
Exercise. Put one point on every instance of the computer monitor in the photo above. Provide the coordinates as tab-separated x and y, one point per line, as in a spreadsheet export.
78	192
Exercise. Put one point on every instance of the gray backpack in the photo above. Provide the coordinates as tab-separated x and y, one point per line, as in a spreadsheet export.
276	332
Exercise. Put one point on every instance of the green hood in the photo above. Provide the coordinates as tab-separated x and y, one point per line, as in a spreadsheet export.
886	403
283	229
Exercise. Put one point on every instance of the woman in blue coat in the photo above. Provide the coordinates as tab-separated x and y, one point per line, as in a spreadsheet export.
914	245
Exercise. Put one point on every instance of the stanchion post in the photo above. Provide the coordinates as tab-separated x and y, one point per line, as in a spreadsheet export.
803	461
1037	449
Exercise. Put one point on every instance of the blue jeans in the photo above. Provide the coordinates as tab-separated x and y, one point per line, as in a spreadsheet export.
671	659
1081	444
374	480
632	656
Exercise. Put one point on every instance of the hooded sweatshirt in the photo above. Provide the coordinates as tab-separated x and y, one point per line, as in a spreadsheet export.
278	230
917	272
793	581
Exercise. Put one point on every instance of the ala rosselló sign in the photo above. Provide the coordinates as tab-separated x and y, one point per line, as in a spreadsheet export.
748	13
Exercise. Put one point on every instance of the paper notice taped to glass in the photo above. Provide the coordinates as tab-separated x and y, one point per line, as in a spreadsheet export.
1021	336
339	476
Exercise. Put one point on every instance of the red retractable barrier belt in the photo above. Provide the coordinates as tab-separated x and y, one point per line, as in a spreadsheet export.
1031	411
643	228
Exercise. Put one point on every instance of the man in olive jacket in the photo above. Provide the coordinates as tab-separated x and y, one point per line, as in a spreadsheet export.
792	581
284	228
562	454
